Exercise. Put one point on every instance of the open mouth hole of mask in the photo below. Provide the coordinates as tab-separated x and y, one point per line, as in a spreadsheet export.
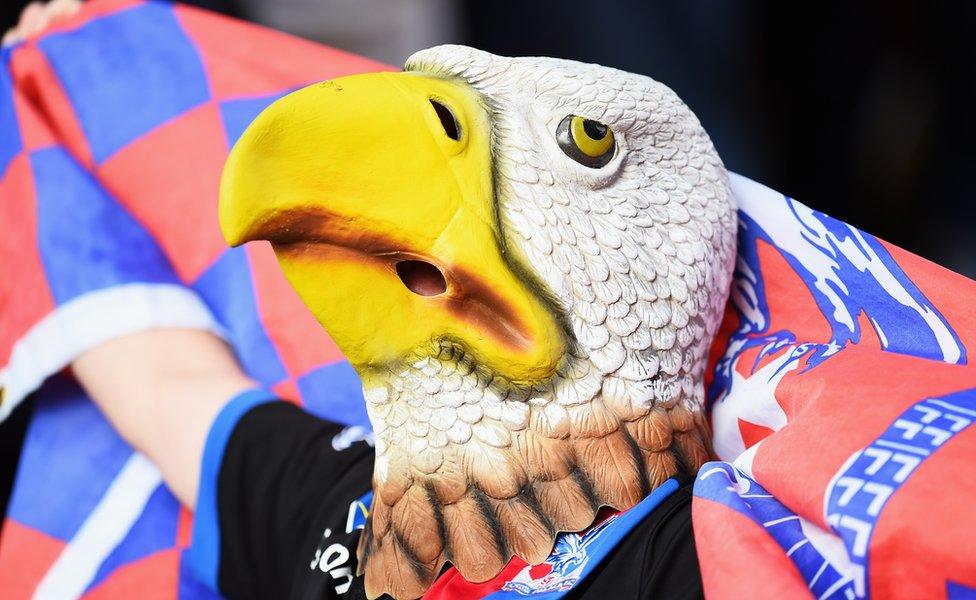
421	278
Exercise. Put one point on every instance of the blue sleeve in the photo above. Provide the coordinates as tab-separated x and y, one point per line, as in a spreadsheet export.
203	557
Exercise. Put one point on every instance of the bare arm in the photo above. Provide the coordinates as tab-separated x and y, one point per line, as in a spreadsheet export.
162	390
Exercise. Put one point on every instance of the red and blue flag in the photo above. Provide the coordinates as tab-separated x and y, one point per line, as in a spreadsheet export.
841	395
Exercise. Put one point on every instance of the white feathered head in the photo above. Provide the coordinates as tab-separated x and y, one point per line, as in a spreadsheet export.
526	260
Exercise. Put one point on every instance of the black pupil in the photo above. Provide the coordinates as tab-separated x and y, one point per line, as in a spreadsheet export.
593	129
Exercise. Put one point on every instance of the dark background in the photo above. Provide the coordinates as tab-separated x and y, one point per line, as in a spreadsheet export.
864	111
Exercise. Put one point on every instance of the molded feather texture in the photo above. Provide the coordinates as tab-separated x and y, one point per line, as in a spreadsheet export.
487	503
524	514
635	257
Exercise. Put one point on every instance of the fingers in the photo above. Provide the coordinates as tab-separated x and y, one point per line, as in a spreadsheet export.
31	20
36	17
16	33
59	10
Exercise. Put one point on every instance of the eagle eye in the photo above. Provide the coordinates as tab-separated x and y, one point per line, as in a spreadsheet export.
588	142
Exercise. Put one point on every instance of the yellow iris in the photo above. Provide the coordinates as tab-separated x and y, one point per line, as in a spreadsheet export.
592	138
588	142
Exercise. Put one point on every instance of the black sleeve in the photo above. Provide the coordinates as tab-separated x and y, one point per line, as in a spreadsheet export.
282	483
656	560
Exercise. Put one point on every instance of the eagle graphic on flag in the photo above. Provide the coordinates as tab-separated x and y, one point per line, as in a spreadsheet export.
841	397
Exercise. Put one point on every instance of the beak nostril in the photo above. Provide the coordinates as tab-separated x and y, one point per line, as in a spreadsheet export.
450	124
421	278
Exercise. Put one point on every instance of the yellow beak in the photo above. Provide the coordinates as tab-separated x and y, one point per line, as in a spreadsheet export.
376	194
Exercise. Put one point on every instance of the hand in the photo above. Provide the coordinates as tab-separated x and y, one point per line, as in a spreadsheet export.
37	16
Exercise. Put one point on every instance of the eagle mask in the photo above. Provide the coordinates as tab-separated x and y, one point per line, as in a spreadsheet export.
526	260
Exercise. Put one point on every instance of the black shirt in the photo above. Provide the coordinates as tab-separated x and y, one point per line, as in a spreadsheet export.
288	503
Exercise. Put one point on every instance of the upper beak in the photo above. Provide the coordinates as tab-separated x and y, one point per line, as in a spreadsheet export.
376	194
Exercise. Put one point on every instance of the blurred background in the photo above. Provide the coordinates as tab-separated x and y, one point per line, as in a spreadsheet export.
866	111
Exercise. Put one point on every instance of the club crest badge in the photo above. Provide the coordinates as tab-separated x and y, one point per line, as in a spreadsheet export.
564	567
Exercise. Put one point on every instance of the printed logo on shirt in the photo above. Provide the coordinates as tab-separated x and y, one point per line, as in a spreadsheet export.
359	512
350	435
333	558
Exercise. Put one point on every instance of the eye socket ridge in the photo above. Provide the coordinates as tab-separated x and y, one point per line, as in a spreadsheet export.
586	141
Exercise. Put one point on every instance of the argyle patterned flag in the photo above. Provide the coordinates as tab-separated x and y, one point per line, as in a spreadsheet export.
840	393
